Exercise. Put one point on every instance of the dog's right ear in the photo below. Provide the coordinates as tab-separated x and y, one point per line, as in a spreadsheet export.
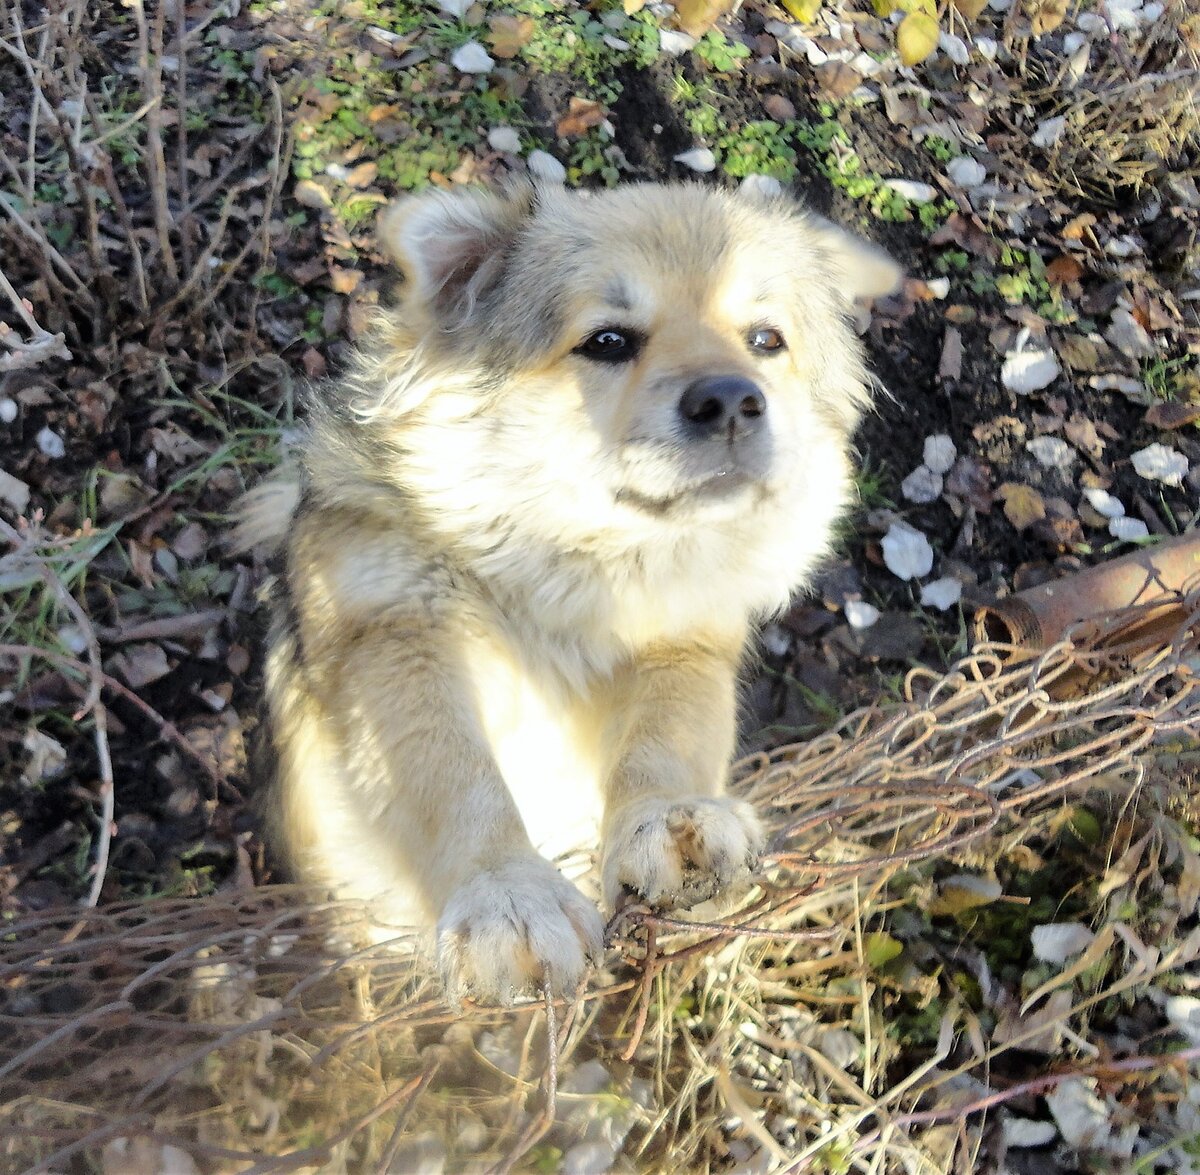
451	246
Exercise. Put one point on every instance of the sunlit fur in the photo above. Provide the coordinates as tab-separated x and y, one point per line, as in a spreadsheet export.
514	594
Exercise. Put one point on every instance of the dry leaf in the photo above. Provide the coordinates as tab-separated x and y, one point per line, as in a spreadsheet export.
696	17
508	35
1063	270
1046	15
916	37
805	11
1023	505
1169	414
837	78
582	114
969	8
633	6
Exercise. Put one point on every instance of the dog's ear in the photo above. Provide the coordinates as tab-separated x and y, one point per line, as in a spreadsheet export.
451	246
862	269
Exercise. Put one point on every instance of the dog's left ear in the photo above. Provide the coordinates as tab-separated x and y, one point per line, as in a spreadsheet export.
863	270
451	246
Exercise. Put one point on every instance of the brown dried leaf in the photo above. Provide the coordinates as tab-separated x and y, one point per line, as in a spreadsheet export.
1079	352
1046	15
1064	270
508	35
779	108
696	17
582	114
1023	505
837	78
969	8
1081	432
362	176
1170	414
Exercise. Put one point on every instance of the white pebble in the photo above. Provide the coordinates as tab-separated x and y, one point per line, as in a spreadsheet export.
762	185
1103	502
674	43
8	410
1052	452
913	190
1028	369
1049	131
1056	942
1128	530
454	8
504	138
472	58
939	453
698	159
922	485
966	172
939	287
941	593
906	551
1159	463
51	443
860	614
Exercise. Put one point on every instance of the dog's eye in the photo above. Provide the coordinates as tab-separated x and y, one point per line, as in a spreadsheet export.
609	345
765	339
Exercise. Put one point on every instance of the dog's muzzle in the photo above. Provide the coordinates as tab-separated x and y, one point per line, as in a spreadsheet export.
722	405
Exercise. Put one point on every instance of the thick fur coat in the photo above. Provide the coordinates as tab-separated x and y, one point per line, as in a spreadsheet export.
525	542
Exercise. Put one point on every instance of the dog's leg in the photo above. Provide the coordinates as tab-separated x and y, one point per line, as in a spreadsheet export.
419	774
670	835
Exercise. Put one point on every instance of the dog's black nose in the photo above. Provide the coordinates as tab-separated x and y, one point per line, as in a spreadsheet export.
723	403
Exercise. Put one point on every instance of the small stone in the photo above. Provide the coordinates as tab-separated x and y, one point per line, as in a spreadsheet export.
1028	369
939	453
8	410
966	172
906	552
699	159
674	43
913	190
1128	530
939	287
472	58
1056	942
51	443
1129	336
922	485
1159	463
762	185
1103	502
1024	1132
941	594
504	138
860	614
1051	452
1049	131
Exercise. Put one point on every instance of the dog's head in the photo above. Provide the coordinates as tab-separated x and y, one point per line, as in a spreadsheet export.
658	352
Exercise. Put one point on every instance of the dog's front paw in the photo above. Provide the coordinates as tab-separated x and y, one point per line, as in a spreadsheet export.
680	852
515	928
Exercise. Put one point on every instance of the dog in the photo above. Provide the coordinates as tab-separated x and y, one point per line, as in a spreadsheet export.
523	546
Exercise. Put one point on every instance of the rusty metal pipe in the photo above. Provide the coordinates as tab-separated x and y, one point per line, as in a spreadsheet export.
1154	577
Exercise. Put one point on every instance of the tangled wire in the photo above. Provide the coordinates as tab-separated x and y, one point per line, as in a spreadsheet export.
239	1032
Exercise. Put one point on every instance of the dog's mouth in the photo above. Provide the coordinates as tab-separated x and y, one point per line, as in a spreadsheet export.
723	485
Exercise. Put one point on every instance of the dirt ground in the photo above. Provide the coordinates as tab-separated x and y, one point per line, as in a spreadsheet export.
178	271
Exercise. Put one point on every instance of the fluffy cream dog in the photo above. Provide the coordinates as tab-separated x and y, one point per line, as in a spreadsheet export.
526	539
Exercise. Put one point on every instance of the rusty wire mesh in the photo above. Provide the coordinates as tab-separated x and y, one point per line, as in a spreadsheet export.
238	1032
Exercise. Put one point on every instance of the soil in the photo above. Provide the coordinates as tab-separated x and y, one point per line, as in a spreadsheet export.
180	830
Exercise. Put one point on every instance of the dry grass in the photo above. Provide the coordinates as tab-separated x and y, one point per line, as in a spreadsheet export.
236	1029
1133	115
